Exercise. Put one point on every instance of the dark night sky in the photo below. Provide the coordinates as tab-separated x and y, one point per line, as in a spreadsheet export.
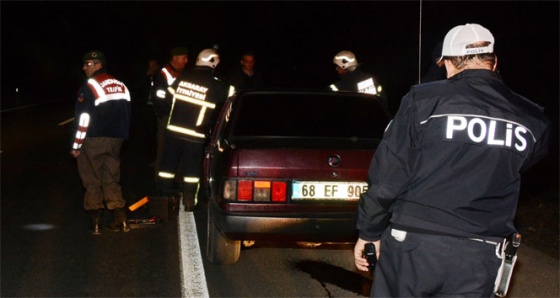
43	42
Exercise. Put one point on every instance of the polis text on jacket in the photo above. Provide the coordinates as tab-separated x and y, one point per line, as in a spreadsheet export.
493	132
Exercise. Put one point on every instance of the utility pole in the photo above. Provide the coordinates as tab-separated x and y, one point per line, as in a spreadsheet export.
420	44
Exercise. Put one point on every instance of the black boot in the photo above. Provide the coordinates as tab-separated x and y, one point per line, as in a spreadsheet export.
119	222
95	221
121	214
114	226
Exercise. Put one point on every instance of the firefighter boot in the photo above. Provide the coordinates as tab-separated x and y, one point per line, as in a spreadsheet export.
119	222
95	221
190	191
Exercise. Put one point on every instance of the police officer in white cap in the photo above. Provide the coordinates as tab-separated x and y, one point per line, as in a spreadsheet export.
445	180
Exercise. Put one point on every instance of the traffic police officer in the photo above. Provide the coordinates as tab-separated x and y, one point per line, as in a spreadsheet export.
103	116
352	78
196	94
444	181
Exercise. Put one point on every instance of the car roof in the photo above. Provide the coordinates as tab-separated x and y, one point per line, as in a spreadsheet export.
307	114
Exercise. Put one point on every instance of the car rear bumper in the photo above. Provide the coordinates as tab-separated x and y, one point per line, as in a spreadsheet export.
331	227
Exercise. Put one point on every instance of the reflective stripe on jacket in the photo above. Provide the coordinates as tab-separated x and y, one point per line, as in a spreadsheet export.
102	109
196	94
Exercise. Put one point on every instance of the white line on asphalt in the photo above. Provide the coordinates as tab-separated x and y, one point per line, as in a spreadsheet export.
66	121
32	105
193	282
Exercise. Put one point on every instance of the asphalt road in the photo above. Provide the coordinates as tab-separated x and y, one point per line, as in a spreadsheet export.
47	251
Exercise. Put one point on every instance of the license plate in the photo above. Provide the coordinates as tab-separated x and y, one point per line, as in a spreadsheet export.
327	190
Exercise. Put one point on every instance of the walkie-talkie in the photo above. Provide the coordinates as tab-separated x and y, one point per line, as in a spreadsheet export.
369	254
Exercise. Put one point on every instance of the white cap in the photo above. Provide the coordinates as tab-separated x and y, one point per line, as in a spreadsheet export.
457	39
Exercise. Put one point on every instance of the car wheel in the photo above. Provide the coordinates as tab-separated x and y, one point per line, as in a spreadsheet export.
220	249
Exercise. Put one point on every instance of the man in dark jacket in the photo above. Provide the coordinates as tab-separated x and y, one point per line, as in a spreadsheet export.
161	99
245	77
444	181
196	94
103	121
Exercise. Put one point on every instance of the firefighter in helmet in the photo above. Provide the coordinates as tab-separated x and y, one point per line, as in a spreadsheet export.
195	95
352	78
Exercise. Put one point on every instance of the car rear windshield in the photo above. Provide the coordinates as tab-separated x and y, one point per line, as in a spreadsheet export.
335	115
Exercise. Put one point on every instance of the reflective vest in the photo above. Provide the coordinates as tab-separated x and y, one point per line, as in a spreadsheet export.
105	88
170	75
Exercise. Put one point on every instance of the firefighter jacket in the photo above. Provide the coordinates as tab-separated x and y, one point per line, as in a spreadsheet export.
359	81
450	161
102	109
196	95
162	80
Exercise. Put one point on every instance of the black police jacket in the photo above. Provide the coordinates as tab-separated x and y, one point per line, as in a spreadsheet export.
450	161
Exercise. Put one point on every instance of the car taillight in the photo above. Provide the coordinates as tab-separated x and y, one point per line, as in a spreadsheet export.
279	191
230	189
255	190
262	191
245	190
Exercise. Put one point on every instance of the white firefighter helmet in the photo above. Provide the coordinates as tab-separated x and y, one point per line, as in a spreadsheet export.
208	57
345	59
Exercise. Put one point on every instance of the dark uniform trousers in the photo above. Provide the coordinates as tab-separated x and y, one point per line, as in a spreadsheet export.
177	151
99	168
160	137
425	265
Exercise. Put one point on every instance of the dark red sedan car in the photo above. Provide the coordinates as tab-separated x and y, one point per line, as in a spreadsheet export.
288	165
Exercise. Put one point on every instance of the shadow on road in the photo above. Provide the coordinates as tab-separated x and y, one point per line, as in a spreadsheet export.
326	273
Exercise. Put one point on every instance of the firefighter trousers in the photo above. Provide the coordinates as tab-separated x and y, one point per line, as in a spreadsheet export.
176	150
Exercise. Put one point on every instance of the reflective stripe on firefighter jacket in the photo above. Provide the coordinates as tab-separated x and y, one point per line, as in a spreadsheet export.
231	90
357	81
186	179
102	102
366	86
196	94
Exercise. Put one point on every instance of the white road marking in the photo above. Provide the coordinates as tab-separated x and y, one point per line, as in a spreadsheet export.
193	282
66	121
